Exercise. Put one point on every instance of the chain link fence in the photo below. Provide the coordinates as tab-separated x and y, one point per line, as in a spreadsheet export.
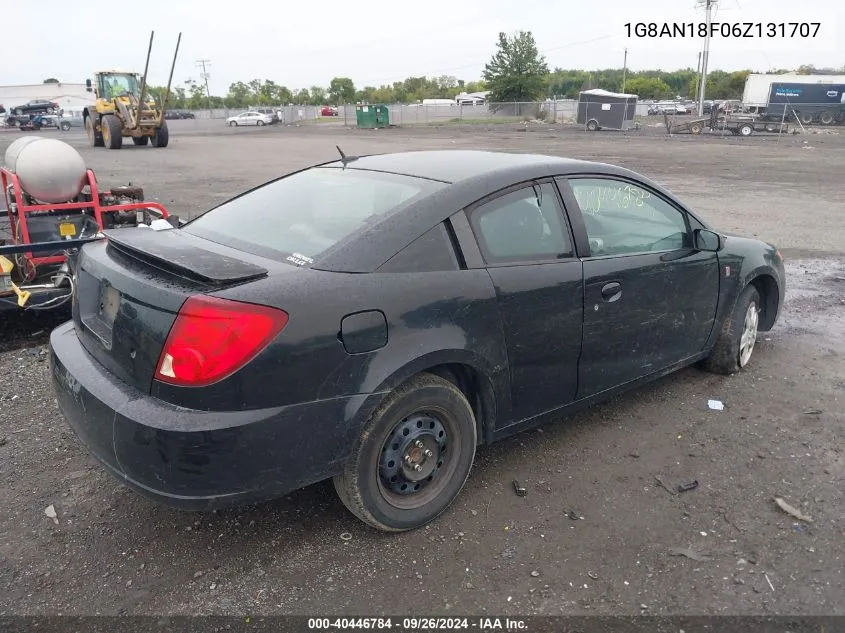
491	114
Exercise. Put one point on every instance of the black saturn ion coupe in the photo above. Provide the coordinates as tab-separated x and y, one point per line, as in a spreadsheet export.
375	319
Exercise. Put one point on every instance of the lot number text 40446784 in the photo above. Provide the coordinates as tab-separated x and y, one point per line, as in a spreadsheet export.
722	29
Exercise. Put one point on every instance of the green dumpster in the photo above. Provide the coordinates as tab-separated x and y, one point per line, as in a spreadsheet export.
372	116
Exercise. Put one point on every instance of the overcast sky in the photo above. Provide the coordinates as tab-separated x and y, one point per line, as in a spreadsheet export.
300	44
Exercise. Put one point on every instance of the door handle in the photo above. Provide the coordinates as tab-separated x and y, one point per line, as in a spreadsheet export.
612	291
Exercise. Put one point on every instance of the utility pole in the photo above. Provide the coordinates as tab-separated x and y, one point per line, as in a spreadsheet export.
624	70
202	63
708	5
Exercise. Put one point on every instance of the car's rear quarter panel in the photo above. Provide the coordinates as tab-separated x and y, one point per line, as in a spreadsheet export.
432	319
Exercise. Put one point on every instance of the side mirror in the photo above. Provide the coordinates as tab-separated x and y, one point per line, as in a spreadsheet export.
88	85
708	241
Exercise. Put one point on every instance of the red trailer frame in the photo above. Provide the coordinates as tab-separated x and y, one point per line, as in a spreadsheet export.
18	222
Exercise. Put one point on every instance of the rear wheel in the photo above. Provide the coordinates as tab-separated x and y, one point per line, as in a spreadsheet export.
738	336
260	122
826	118
140	140
413	456
746	129
592	125
64	126
161	136
806	118
95	138
112	136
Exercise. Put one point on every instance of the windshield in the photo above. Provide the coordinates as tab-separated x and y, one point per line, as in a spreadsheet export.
115	85
299	217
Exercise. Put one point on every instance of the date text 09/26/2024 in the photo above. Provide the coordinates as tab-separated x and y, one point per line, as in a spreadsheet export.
722	29
481	624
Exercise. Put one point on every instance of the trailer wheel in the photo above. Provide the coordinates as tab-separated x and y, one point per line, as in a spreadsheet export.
806	118
112	134
746	129
592	125
695	128
826	118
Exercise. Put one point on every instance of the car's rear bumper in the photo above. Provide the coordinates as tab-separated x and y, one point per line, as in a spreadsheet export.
190	459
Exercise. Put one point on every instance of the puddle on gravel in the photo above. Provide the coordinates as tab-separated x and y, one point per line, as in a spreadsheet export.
815	298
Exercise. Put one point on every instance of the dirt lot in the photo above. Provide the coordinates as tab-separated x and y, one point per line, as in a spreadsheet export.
780	435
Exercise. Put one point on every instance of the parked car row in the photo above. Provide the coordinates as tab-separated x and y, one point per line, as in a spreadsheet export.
178	114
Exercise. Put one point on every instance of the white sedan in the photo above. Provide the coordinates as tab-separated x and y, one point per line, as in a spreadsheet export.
249	118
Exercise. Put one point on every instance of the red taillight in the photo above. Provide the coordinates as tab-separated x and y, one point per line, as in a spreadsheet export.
212	338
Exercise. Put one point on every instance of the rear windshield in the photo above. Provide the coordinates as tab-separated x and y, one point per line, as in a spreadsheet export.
299	217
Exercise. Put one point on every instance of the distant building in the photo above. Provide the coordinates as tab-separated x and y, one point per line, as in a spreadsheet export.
70	97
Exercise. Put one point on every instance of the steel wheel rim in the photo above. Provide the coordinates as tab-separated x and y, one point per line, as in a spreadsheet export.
399	483
749	334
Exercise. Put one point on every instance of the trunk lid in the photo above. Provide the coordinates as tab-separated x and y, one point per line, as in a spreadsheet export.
129	289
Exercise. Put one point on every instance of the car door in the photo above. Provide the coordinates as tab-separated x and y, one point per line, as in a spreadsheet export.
528	252
650	298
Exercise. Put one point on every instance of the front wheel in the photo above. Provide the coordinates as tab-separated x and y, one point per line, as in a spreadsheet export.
233	124
161	137
413	456
260	122
738	336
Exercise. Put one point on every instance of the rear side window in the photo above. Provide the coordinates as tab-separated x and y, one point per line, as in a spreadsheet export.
298	217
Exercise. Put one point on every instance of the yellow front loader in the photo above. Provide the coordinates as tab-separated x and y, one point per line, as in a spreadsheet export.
123	109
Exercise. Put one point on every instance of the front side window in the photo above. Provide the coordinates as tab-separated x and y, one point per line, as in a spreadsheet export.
302	215
523	225
623	218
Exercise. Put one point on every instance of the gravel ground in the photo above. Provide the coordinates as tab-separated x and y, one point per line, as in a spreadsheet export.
596	533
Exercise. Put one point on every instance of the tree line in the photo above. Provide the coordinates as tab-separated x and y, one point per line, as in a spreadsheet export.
517	72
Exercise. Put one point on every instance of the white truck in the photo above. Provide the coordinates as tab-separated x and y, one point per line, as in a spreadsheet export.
758	96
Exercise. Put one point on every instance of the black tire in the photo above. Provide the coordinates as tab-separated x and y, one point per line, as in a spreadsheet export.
140	140
385	493
592	125
64	126
806	118
260	122
95	139
695	128
727	356
19	111
746	129
827	118
112	131
233	124
161	137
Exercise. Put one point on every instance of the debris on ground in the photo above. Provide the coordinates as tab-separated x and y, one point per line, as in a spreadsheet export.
794	512
663	484
50	511
519	488
770	582
688	553
812	412
692	485
3	440
593	575
716	405
535	574
346	536
573	516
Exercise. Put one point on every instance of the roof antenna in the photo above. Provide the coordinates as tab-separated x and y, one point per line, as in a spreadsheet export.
344	158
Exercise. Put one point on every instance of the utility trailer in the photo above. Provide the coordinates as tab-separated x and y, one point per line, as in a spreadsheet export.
736	124
40	239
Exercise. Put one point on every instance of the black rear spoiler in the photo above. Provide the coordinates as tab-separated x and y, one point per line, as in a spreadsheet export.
182	255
